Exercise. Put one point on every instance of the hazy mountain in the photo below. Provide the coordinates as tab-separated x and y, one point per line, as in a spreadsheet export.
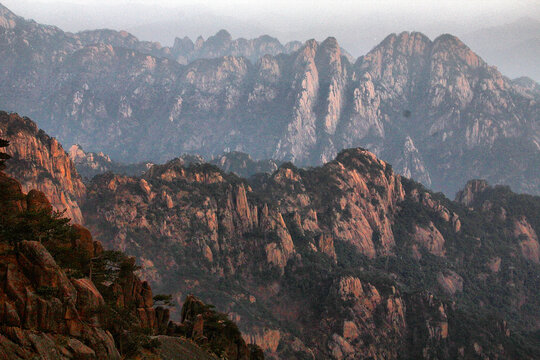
432	107
344	260
65	297
347	260
514	48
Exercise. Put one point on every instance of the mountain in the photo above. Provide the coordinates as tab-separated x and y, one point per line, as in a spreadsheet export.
185	50
347	260
40	162
89	164
432	107
513	47
62	296
340	261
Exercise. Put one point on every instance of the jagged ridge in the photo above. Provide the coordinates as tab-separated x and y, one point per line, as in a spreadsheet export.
304	106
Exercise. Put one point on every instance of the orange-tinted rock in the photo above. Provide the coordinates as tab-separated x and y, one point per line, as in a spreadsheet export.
430	238
450	282
530	248
39	162
37	201
88	297
84	240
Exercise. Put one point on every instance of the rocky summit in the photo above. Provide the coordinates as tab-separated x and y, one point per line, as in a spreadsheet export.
257	177
433	108
343	261
39	162
62	296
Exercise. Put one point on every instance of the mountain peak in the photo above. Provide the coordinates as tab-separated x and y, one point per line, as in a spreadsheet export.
330	42
471	189
8	20
223	35
449	39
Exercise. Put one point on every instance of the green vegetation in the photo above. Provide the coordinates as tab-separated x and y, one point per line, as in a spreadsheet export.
219	336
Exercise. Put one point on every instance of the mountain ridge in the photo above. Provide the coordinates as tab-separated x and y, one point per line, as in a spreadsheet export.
304	106
347	258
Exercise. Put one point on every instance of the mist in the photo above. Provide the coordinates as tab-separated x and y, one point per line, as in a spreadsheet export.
358	25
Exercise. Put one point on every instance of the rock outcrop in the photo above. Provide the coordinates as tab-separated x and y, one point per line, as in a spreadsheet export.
44	312
203	325
40	162
62	296
429	107
473	187
334	252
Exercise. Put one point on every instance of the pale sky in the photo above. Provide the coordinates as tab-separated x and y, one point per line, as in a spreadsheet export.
357	24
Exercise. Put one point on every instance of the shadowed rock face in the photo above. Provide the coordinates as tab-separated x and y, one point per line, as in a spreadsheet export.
431	107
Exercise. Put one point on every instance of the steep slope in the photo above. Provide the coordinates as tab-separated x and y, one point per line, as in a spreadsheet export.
47	310
62	296
347	260
433	108
40	162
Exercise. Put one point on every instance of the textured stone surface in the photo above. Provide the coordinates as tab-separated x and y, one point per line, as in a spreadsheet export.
39	162
430	107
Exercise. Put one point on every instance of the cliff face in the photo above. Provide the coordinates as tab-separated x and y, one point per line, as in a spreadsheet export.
430	107
45	311
340	261
62	296
40	162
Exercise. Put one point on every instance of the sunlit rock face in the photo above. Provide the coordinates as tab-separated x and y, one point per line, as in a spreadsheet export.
40	162
433	108
332	251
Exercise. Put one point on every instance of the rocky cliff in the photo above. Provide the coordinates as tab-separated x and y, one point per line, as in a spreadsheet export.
347	260
62	296
47	310
341	261
40	162
431	107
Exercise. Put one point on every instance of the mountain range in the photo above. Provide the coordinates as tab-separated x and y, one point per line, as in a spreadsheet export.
257	177
63	296
433	108
344	261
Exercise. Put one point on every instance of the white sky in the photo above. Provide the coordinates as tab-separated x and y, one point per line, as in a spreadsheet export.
357	24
